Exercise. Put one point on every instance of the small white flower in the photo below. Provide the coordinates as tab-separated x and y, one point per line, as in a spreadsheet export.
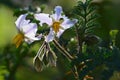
27	31
58	23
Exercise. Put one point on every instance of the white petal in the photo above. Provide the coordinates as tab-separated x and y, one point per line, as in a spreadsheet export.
30	33
50	36
67	23
21	21
58	12
29	29
43	18
30	39
60	33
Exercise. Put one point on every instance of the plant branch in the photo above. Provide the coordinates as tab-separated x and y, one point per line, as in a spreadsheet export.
79	40
75	72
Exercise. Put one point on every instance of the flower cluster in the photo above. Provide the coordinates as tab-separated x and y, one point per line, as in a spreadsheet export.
57	24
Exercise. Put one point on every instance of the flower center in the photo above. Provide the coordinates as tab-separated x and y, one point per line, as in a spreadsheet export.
56	26
18	39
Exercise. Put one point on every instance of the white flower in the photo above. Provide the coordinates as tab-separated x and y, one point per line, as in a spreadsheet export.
27	31
58	23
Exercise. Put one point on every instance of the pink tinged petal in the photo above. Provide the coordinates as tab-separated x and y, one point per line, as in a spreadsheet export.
58	11
50	36
60	33
67	23
21	21
43	18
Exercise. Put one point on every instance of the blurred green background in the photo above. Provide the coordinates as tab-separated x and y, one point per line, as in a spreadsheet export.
109	11
8	32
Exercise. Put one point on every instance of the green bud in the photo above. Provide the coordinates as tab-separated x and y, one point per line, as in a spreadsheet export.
91	40
113	33
38	64
51	58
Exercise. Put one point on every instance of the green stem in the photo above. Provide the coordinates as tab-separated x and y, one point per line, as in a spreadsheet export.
61	49
11	76
75	72
12	70
79	40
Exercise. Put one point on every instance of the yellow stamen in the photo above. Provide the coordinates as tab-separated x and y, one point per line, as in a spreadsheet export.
56	26
18	39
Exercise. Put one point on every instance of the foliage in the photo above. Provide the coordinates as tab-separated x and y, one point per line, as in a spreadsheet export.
79	51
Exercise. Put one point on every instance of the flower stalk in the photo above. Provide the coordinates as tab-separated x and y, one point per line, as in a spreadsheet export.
65	53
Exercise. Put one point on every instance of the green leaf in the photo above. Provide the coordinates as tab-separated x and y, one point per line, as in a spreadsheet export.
18	12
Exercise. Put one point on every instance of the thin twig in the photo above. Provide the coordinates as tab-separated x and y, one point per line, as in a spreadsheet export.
78	39
75	72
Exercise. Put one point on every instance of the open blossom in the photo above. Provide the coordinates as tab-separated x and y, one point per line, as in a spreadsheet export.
27	31
58	23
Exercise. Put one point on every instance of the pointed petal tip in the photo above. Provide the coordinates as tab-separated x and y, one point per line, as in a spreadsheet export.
49	37
75	20
58	7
